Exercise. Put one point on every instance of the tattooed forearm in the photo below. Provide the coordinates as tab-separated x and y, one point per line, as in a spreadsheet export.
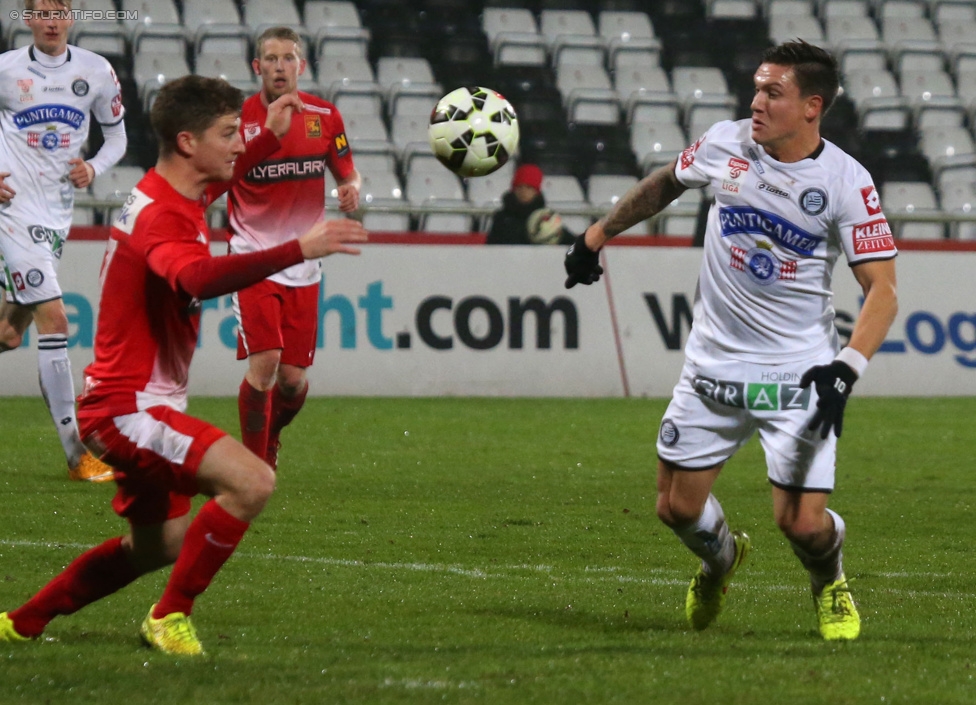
647	198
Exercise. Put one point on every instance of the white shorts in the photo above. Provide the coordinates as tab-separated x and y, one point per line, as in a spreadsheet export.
31	255
718	406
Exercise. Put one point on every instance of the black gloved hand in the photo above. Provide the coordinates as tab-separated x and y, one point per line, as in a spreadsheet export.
834	384
582	263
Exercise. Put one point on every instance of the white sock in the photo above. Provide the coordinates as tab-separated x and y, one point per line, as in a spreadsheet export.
57	386
829	565
709	538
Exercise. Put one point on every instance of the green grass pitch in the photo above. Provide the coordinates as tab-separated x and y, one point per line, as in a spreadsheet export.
507	551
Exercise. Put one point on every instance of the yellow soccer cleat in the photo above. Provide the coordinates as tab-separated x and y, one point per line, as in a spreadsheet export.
706	594
836	612
172	634
90	469
7	631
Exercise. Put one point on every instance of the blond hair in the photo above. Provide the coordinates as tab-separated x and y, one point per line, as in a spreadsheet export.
286	34
30	4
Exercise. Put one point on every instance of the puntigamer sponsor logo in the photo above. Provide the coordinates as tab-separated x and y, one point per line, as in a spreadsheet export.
49	113
755	221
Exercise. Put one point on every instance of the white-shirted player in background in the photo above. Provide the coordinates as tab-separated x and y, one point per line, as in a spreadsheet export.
47	91
788	203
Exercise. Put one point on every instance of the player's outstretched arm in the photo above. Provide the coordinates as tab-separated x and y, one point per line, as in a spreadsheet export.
329	237
648	197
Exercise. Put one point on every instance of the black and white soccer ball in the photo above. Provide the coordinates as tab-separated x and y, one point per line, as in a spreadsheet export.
473	131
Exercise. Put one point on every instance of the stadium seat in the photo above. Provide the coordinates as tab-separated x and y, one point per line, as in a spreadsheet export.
588	95
900	9
116	183
487	191
564	193
261	14
645	84
331	13
197	13
223	39
393	72
429	184
912	37
656	144
571	37
346	74
960	197
786	28
629	37
105	38
150	13
382	189
829	9
941	143
513	36
699	84
731	9
912	197
788	8
604	190
409	136
680	218
368	162
876	95
367	133
159	38
230	67
152	70
844	30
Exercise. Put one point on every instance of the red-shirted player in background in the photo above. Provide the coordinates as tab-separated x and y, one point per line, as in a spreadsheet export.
274	203
157	269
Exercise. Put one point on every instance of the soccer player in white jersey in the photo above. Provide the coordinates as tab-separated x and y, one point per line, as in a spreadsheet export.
47	91
788	204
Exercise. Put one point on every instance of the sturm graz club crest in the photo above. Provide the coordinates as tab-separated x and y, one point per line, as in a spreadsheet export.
813	201
669	433
80	87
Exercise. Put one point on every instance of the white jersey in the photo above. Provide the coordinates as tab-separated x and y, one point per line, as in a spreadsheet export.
772	238
44	121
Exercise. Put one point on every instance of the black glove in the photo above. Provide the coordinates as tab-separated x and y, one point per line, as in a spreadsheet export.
834	384
582	263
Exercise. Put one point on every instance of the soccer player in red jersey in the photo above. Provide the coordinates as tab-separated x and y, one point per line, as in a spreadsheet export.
274	203
157	270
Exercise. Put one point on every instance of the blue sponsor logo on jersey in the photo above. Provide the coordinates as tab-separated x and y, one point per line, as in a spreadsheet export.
49	113
746	220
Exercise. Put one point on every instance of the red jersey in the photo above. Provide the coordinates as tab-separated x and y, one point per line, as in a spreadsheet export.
283	196
148	323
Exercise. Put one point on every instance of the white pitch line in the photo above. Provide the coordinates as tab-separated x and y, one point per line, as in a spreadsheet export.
605	573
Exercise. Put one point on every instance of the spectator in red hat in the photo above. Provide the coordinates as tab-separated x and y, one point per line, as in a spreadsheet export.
524	218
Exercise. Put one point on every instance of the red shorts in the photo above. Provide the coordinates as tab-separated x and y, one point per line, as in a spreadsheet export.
155	454
272	316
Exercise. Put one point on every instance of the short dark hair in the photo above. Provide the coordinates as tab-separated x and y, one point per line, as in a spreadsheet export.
815	69
286	34
191	104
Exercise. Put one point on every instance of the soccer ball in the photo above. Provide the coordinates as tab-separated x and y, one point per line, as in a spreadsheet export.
473	131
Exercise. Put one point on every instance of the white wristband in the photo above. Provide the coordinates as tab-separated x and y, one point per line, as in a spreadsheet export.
853	359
